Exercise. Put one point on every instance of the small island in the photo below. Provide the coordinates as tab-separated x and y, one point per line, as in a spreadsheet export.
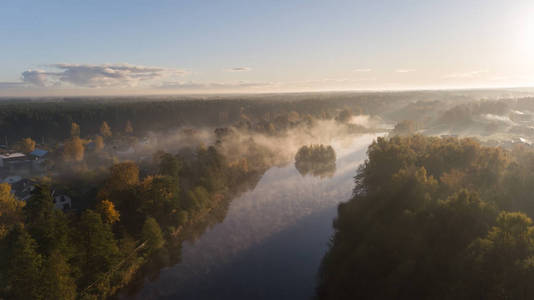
317	160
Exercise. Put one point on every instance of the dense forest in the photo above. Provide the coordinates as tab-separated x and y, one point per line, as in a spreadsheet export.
435	218
133	219
430	217
51	118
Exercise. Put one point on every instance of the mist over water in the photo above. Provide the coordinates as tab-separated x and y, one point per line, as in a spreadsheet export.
272	240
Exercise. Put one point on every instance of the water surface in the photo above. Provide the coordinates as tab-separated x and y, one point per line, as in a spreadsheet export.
272	240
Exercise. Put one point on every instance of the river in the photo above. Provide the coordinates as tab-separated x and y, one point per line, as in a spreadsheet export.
272	240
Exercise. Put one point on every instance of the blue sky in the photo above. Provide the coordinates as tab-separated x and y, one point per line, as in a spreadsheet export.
129	47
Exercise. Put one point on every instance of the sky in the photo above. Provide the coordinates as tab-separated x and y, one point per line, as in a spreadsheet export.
128	47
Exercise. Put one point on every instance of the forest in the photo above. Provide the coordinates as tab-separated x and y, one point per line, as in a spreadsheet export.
433	215
434	218
49	254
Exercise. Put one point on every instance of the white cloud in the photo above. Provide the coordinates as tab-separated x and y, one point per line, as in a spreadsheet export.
404	70
98	76
362	70
190	85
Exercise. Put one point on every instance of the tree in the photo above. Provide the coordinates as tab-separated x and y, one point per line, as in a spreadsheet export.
10	209
98	248
74	130
344	116
128	128
73	150
152	234
99	143
123	175
405	127
26	145
48	226
105	130
24	270
107	209
57	280
170	165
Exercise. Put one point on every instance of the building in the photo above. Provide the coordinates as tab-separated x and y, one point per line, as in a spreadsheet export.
22	188
38	154
62	202
11	159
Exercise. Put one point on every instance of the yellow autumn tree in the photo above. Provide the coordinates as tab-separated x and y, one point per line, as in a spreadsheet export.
26	145
74	129
128	129
99	143
73	150
10	209
105	130
107	209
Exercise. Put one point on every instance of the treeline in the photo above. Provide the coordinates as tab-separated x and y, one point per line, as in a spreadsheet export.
52	120
435	218
48	254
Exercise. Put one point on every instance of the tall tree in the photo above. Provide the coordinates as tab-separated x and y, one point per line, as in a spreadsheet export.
73	150
57	280
105	130
26	145
107	209
74	130
24	271
98	248
152	234
99	143
128	128
10	209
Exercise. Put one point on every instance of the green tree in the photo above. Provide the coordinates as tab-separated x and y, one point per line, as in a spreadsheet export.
152	234
98	250
57	280
24	270
170	165
48	226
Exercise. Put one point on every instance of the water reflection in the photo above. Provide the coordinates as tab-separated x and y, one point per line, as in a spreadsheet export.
271	241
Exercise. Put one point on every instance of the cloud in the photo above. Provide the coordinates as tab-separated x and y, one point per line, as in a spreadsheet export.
97	76
404	70
212	85
362	70
109	75
34	77
239	69
465	75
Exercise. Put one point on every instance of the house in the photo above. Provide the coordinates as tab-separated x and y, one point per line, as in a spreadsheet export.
7	160
62	202
38	154
11	179
22	188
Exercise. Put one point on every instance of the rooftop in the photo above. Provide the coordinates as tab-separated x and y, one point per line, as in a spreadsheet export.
12	155
39	152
